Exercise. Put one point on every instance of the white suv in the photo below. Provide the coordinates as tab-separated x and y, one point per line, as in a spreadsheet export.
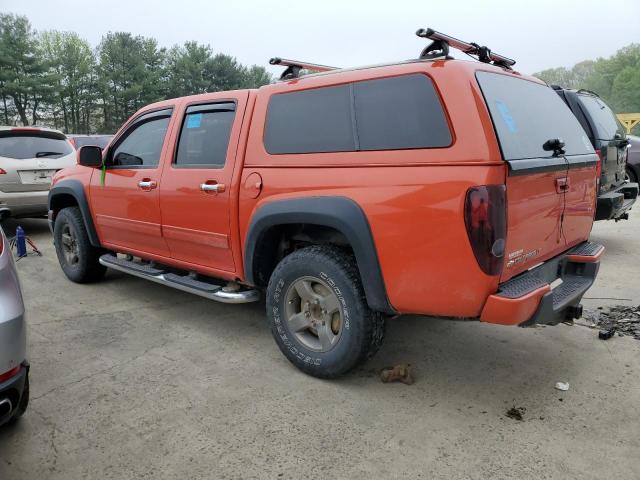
29	157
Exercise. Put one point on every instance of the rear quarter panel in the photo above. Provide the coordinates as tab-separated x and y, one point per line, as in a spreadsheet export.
413	199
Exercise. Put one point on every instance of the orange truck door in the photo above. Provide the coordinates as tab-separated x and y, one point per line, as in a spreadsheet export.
550	170
195	194
126	207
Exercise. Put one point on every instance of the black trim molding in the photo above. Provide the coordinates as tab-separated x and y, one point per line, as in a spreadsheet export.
75	189
340	213
528	166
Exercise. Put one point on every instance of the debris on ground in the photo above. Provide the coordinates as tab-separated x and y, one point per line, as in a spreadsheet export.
517	413
619	318
399	373
563	386
606	333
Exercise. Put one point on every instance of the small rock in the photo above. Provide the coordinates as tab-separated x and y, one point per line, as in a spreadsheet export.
399	373
517	413
563	386
607	333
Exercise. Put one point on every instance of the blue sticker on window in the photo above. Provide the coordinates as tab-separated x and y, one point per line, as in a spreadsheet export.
194	120
506	116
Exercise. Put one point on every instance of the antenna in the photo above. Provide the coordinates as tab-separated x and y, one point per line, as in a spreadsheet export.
294	67
439	48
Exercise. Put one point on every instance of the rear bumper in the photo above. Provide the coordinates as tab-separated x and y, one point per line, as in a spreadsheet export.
615	203
18	204
11	392
529	298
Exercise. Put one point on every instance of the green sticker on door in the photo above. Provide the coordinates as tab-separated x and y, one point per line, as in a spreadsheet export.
194	120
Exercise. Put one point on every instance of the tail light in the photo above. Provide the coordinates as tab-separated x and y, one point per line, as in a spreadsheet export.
485	216
598	164
3	172
11	373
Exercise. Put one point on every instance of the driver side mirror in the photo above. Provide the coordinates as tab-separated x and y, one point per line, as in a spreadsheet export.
90	156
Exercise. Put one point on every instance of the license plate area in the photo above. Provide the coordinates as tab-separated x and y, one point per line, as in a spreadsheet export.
36	177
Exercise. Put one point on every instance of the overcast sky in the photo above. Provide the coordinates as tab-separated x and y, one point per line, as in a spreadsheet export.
539	34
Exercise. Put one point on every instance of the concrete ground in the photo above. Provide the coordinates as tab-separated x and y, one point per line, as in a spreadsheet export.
134	380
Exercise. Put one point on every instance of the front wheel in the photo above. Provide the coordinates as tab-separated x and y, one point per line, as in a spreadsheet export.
77	257
318	312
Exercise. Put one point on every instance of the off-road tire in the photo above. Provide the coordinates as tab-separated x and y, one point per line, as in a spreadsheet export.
631	175
362	330
87	268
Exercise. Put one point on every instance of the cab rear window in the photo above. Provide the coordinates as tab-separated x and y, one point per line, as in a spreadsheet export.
394	113
25	145
526	114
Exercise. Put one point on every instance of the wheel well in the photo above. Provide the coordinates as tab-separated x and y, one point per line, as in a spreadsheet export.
60	201
280	240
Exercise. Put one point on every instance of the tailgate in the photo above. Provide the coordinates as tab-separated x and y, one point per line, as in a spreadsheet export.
542	181
30	157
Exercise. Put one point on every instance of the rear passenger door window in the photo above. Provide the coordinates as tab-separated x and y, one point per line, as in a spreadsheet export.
393	113
204	138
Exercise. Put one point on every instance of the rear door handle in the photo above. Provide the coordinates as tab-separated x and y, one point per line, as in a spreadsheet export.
212	187
147	184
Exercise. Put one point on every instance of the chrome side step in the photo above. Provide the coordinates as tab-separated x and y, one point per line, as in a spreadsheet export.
186	283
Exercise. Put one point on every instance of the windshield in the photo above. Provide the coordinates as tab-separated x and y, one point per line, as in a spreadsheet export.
528	114
21	146
604	120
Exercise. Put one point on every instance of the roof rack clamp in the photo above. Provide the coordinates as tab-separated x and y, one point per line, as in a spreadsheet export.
436	49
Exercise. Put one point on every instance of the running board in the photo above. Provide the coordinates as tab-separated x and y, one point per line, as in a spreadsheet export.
186	283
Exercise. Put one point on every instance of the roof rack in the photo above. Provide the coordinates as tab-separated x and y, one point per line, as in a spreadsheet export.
439	48
294	67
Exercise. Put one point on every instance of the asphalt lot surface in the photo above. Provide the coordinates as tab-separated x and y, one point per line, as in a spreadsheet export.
131	379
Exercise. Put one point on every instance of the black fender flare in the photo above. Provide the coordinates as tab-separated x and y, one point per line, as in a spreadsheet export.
340	213
75	189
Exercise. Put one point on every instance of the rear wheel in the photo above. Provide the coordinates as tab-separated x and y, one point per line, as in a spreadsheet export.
318	312
77	257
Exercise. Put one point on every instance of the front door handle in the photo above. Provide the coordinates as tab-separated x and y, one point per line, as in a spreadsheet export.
147	184
212	187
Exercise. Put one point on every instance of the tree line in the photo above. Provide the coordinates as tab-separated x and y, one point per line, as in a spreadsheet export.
616	79
57	79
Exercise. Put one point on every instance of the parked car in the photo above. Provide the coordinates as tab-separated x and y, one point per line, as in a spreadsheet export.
633	159
29	157
14	368
435	186
79	141
607	135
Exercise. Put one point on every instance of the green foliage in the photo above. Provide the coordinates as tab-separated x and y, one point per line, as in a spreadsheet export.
24	78
56	78
616	79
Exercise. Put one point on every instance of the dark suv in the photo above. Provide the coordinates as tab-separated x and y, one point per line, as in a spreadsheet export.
615	195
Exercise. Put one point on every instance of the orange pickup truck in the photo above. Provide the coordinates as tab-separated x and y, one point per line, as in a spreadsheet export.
435	186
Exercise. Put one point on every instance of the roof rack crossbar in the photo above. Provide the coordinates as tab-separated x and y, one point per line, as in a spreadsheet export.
294	67
439	47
